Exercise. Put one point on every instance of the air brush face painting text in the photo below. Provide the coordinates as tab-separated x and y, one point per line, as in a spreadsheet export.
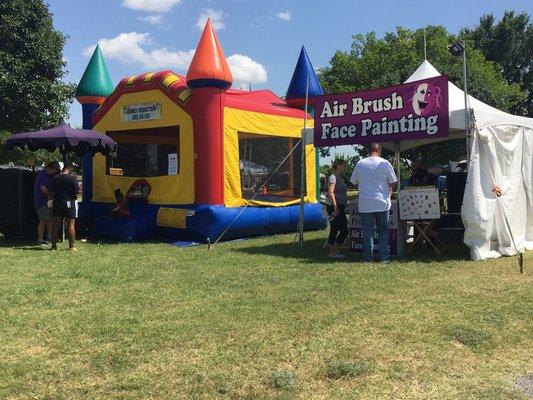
416	110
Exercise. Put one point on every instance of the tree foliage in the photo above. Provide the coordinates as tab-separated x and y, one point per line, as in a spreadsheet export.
349	161
508	43
33	95
374	62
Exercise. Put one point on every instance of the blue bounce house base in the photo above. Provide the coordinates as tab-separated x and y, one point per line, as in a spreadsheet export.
203	222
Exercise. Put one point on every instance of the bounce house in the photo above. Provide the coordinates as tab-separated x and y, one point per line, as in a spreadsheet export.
193	155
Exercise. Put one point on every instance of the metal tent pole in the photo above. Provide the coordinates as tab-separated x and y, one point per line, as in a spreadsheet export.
302	168
397	161
467	116
64	153
425	47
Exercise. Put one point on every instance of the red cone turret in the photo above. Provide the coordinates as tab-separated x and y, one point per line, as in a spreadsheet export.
209	67
209	77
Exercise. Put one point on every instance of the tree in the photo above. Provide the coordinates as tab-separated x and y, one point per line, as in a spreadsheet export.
33	95
373	63
349	161
509	43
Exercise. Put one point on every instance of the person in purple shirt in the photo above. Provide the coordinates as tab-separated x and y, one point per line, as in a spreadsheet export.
42	193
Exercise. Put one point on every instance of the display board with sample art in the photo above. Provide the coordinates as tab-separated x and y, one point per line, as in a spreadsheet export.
419	203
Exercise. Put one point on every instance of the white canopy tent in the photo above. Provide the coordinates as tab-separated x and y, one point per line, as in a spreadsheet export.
502	155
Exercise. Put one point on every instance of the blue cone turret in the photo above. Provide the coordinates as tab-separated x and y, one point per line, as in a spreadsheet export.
297	87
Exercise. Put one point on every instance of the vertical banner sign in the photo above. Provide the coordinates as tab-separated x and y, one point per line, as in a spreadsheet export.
412	111
356	230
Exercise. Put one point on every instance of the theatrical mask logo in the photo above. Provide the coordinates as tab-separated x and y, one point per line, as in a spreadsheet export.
426	97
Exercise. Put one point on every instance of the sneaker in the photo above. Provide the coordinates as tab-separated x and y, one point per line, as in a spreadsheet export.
340	256
385	261
73	249
41	242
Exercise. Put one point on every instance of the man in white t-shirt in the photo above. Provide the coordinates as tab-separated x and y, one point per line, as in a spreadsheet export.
375	179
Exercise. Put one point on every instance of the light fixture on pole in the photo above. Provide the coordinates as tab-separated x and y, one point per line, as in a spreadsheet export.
458	49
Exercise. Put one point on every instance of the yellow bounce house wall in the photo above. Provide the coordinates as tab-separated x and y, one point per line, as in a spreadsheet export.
236	121
179	189
166	190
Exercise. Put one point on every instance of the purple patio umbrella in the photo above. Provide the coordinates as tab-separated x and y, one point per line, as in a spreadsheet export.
64	138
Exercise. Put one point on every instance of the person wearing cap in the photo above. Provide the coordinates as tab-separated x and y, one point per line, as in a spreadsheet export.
65	191
42	196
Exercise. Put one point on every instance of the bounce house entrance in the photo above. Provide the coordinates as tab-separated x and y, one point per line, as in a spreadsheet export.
145	152
263	156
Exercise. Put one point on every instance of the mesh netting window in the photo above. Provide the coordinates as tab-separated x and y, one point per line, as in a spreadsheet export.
259	156
145	152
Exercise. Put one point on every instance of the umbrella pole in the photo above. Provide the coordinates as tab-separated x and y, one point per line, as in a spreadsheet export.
64	153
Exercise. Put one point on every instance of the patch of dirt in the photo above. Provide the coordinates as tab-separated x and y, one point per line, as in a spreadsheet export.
525	385
33	351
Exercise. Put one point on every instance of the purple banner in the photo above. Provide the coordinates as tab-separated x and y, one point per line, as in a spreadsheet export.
412	111
355	230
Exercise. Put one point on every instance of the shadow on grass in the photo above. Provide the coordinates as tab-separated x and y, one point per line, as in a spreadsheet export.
32	248
17	243
24	244
313	252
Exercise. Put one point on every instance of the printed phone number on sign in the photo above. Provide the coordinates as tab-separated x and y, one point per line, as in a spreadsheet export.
139	117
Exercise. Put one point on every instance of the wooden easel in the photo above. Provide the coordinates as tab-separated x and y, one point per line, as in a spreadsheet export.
426	233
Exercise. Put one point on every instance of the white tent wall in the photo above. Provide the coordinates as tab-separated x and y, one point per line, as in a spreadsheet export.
502	155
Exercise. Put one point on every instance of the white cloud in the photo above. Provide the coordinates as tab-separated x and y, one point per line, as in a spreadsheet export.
161	6
285	16
130	48
245	70
217	19
136	48
152	19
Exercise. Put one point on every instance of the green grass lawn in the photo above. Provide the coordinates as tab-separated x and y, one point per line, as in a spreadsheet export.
259	319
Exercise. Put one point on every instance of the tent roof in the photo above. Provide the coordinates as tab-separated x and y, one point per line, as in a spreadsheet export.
485	115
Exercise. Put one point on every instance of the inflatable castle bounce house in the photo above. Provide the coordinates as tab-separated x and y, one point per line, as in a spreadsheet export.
192	153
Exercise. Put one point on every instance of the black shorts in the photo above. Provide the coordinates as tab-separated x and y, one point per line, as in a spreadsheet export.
65	209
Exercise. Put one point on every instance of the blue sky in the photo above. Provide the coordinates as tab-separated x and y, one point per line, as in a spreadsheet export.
261	38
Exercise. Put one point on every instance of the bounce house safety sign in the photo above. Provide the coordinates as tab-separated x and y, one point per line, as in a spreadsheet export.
412	111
